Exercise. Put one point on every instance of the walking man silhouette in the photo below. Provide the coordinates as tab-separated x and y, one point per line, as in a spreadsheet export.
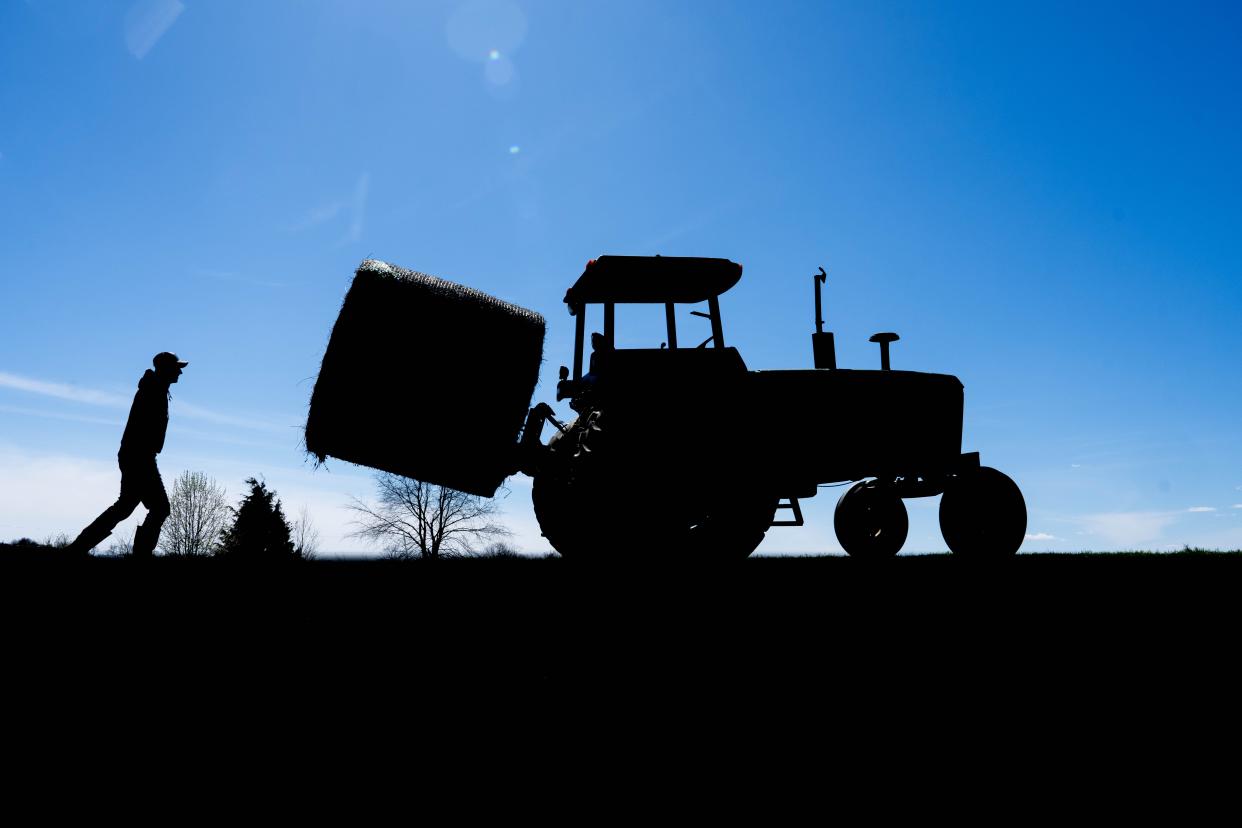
140	477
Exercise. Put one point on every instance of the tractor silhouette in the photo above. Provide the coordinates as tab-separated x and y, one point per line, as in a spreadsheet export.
676	450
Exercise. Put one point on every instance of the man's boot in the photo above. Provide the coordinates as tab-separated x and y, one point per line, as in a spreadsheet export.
91	537
145	539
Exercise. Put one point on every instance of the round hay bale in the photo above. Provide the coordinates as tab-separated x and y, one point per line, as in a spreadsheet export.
427	379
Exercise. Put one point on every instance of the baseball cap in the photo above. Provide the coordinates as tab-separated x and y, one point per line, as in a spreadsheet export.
167	360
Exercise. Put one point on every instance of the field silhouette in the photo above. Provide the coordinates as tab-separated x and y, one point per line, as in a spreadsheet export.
880	660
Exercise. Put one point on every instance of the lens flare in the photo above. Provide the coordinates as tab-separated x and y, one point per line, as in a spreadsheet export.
480	29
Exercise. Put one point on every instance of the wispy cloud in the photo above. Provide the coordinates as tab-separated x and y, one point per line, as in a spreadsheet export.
359	207
60	415
1237	505
229	276
317	216
147	21
1201	509
90	396
216	437
42	494
62	391
1128	528
119	422
199	413
1042	536
354	208
691	224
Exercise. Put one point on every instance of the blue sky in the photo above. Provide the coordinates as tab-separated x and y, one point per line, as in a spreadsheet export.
1043	199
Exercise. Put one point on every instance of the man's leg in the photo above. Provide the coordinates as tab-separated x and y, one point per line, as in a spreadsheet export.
103	525
156	500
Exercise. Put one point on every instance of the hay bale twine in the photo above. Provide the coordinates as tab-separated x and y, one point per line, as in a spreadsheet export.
425	378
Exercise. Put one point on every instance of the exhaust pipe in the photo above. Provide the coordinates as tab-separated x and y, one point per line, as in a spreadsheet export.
823	347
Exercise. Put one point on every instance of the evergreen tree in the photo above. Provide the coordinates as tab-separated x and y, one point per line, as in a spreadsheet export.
260	531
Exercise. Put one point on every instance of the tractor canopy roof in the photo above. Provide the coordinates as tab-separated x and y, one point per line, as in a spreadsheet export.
662	279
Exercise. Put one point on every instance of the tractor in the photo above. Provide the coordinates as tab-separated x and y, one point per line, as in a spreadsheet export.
681	450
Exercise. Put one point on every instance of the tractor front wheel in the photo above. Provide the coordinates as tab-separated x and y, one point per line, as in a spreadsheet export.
983	515
871	521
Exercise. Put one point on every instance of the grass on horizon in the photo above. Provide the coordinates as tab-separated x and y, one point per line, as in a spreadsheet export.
28	549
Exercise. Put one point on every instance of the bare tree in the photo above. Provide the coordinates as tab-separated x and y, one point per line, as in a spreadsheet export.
501	549
199	514
305	535
58	541
416	519
121	547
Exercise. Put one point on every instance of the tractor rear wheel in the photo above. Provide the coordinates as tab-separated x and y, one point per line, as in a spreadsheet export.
583	521
733	528
576	512
871	521
587	510
578	522
983	515
594	499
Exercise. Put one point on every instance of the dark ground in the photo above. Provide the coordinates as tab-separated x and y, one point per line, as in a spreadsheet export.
780	665
1028	680
539	627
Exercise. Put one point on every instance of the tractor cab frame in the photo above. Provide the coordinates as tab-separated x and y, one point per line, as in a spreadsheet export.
614	280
